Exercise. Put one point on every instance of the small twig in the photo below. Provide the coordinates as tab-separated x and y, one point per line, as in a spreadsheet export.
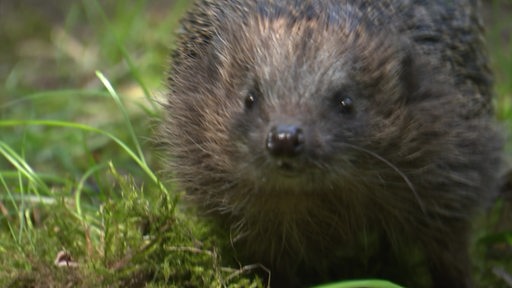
191	250
63	259
246	269
504	275
129	256
4	210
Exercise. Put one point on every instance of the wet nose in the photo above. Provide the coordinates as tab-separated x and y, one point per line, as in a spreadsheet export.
285	140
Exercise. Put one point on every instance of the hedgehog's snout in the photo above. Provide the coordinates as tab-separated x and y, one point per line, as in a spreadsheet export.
285	140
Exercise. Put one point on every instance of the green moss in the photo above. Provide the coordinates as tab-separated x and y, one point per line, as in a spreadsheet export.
133	238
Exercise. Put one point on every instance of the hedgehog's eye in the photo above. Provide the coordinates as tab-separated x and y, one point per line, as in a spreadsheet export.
251	99
344	103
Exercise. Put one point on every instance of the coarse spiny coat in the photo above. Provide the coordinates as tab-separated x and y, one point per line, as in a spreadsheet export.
336	139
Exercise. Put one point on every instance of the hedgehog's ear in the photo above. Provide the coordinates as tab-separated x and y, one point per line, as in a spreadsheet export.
417	78
409	76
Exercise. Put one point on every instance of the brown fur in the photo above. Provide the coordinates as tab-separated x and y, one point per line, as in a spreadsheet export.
392	185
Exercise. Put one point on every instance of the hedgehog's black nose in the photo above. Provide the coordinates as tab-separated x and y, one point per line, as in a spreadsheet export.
285	140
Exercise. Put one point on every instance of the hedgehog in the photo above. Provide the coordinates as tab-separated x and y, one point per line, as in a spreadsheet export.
336	139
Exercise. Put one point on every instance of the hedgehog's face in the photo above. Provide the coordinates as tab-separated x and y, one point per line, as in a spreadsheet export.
301	102
291	124
285	108
288	106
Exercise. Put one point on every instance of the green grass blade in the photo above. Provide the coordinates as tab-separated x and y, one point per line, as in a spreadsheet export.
135	72
64	93
122	107
80	186
361	284
21	165
54	123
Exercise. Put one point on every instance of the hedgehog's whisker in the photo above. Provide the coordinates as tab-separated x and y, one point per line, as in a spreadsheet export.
392	166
